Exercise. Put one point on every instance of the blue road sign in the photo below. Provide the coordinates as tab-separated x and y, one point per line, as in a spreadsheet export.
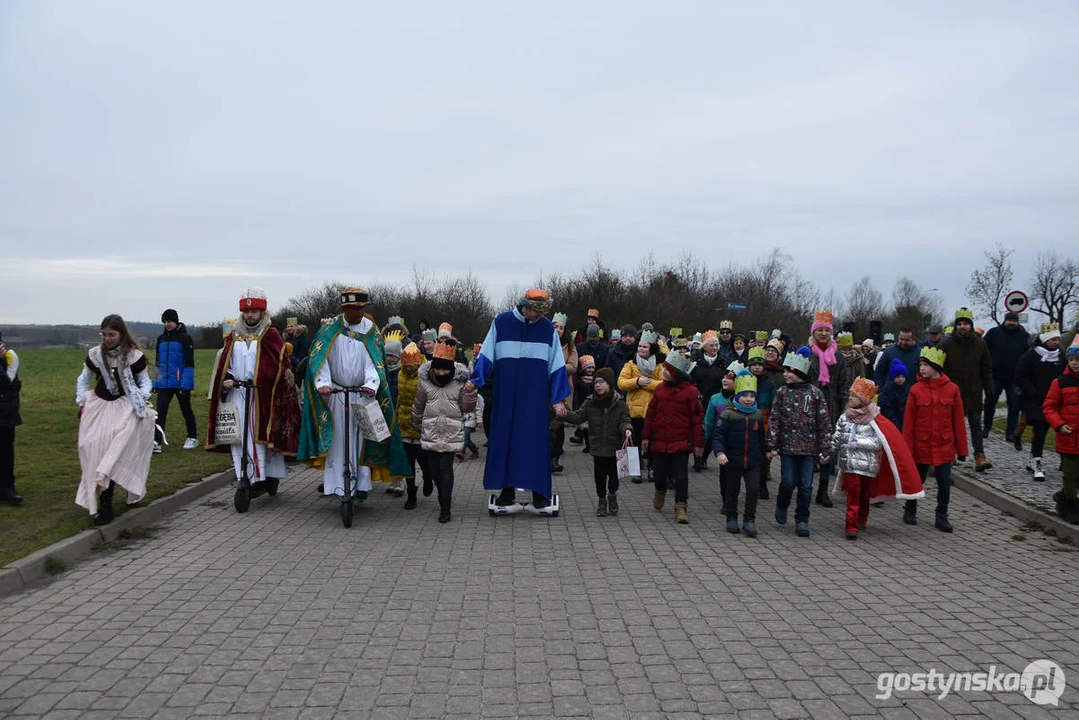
737	306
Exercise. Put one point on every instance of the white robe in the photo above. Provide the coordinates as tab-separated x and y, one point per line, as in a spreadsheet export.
262	462
348	364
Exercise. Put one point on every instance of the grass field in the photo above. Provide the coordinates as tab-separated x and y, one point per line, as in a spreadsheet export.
47	457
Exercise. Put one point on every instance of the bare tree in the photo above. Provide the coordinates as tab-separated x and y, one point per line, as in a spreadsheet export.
989	284
1054	285
864	303
913	306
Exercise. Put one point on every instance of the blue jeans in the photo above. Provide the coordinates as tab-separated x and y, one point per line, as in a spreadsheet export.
796	470
1011	397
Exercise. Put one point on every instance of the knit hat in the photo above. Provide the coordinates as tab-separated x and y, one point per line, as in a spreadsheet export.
845	339
560	318
254	298
738	336
353	297
868	343
1073	349
445	330
798	361
756	355
761	336
934	329
628	329
735	367
606	374
593	313
680	363
864	388
647	326
933	356
821	319
1011	316
411	355
726	325
649	336
172	316
744	382
897	368
430	334
536	299
964	313
586	361
592	331
395	342
1050	331
889	337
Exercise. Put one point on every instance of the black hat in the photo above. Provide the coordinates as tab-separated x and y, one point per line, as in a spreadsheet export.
628	329
170	315
1011	316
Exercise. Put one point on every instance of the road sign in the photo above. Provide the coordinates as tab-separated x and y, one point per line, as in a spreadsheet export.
737	306
1016	301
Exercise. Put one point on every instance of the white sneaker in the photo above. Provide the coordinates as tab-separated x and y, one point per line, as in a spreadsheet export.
1039	474
191	443
157	448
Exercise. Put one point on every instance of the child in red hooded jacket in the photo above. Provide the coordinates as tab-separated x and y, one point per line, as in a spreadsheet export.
673	427
1061	409
934	427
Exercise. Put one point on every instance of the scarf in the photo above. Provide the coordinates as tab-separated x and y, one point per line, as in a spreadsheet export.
863	415
826	357
709	360
747	409
773	366
1048	356
393	367
647	366
117	359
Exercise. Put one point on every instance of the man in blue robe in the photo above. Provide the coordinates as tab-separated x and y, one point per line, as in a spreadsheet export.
523	352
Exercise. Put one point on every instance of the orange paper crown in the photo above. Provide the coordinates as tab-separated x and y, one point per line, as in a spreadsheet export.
823	317
864	388
593	313
709	336
445	352
411	355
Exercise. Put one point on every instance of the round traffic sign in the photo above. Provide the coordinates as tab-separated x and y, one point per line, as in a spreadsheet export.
1016	301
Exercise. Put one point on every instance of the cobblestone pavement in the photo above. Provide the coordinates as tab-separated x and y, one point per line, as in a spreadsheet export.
281	612
1009	473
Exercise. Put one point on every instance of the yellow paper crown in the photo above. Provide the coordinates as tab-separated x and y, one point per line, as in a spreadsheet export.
964	314
934	356
745	381
397	335
845	339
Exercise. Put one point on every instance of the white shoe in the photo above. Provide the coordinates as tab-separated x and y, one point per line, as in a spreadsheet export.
1039	474
157	448
191	443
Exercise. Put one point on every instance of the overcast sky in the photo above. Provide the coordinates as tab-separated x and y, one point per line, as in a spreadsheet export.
169	154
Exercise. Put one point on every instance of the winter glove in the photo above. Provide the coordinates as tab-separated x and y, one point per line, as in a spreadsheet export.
962	458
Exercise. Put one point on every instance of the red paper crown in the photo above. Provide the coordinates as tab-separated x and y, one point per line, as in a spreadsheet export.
445	352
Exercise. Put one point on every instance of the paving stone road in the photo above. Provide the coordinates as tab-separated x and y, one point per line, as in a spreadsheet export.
282	613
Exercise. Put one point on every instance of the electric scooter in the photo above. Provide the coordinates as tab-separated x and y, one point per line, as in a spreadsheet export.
244	489
349	480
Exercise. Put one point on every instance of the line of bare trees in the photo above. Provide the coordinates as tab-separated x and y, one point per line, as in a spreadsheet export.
685	292
1053	286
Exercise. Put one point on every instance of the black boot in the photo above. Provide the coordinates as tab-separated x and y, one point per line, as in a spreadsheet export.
444	510
822	494
763	494
410	502
428	486
556	467
8	494
910	512
507	497
104	506
539	502
942	523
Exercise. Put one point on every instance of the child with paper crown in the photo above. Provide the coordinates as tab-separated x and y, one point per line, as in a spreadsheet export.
740	444
1061	409
715	408
408	382
766	395
672	430
872	457
800	433
935	430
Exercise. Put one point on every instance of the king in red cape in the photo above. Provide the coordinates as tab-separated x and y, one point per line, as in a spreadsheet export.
255	350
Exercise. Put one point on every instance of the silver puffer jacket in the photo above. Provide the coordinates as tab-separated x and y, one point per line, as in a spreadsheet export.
865	458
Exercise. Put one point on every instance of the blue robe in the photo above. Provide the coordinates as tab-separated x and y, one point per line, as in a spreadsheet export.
529	377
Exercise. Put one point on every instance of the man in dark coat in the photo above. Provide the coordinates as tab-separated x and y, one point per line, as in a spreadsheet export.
9	419
1007	343
969	366
594	345
623	350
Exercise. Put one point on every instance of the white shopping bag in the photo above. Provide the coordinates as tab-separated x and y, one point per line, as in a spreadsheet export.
629	462
370	419
227	424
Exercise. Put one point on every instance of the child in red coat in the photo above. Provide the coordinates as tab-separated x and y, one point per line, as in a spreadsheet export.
935	430
1061	409
674	426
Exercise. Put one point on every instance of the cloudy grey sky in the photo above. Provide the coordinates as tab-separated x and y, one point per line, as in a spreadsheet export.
169	153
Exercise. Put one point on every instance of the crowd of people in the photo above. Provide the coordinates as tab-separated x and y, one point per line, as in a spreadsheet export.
872	422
